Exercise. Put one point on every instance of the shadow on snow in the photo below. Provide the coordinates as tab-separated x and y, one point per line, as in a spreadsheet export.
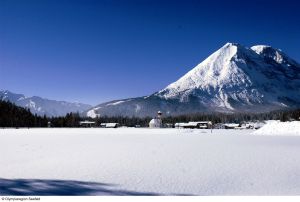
26	187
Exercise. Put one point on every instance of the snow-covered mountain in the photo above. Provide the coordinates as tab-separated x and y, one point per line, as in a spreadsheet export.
41	106
233	79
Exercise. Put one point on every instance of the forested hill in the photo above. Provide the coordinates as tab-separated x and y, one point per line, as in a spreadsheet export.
14	116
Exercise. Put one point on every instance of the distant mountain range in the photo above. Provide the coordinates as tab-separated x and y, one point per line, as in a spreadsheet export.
233	79
41	106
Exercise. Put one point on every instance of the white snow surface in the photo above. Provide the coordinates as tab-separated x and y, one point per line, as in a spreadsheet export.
280	128
128	161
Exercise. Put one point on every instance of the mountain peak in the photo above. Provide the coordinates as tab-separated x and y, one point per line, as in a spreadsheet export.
228	44
234	78
230	47
230	50
216	72
235	74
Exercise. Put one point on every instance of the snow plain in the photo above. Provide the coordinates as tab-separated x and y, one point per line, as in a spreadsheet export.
127	161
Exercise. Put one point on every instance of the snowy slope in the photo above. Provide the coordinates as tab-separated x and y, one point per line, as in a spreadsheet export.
41	106
147	161
236	76
233	79
280	128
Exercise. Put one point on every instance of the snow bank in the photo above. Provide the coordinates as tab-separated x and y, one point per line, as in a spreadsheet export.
279	128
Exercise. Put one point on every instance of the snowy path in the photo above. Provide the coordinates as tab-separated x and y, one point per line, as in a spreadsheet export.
147	161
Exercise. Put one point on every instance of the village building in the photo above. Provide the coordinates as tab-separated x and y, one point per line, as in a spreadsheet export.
109	125
231	125
219	126
192	124
102	125
87	124
168	125
112	125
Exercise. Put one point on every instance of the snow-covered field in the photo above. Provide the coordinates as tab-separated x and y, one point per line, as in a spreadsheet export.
129	161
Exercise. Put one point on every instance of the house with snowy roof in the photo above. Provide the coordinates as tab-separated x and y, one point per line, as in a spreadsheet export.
195	124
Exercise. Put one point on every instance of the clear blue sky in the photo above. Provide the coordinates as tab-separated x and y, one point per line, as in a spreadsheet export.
94	51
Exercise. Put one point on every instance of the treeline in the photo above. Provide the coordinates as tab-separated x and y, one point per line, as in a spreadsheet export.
236	117
73	120
14	116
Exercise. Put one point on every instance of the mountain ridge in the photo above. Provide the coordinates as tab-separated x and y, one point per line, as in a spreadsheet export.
43	106
233	79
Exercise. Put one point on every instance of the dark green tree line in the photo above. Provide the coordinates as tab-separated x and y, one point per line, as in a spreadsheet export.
14	116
